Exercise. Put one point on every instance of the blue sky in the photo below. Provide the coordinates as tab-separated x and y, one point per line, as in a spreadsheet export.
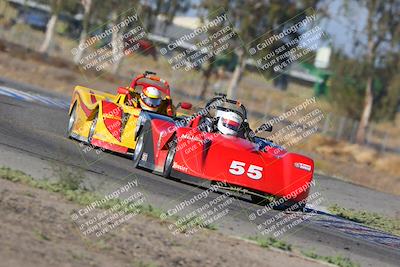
345	24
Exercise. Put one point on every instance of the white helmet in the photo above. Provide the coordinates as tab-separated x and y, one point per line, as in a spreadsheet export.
150	98
229	123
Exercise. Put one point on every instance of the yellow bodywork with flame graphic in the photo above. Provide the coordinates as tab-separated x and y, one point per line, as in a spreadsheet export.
109	121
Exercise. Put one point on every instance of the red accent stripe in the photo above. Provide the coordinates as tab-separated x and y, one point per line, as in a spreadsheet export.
93	97
83	106
108	146
231	123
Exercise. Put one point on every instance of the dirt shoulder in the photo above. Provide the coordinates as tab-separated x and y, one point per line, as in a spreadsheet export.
37	231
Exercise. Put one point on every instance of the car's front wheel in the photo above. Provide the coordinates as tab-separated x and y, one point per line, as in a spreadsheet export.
71	121
92	129
137	154
170	159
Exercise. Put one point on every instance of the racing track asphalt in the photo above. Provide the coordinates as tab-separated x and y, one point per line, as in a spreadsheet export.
32	139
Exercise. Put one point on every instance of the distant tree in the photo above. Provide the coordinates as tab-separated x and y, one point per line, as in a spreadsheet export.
87	11
387	97
382	27
114	12
172	8
56	6
368	87
347	85
149	11
251	19
207	71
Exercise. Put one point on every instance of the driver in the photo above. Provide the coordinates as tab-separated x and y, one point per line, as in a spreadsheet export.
229	123
150	98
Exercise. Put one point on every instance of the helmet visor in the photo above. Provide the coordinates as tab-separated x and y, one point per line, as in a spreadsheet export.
151	102
233	125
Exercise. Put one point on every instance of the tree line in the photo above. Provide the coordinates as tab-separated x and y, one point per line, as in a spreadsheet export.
365	85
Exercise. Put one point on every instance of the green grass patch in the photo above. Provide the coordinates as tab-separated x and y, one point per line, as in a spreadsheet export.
194	222
336	260
267	242
141	263
271	242
40	235
371	219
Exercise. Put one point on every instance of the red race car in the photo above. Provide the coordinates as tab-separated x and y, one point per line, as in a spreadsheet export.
218	145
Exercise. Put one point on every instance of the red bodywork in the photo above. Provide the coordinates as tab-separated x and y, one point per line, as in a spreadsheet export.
112	115
234	160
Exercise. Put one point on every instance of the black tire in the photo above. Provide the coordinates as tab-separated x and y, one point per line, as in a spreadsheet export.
291	205
169	160
71	121
92	128
295	206
139	149
259	200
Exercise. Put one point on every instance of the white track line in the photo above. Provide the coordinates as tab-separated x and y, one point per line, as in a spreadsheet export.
33	97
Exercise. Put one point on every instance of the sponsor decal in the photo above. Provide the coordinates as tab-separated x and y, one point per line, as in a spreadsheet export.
302	166
110	116
179	167
191	137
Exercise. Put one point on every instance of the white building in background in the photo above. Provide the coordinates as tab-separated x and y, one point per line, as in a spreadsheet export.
322	57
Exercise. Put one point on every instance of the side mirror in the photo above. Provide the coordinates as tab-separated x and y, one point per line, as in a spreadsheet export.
185	105
265	127
122	91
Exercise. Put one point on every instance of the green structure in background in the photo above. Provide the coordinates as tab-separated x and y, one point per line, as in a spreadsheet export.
227	61
321	86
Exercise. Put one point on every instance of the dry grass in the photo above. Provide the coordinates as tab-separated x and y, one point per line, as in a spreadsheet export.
351	162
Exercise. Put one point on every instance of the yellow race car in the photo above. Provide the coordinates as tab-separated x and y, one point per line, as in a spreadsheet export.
109	121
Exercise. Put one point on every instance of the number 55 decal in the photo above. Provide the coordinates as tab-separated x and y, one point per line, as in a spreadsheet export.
253	172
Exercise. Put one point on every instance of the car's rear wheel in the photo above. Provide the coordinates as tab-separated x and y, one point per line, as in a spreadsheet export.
294	205
92	128
71	121
169	160
137	154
